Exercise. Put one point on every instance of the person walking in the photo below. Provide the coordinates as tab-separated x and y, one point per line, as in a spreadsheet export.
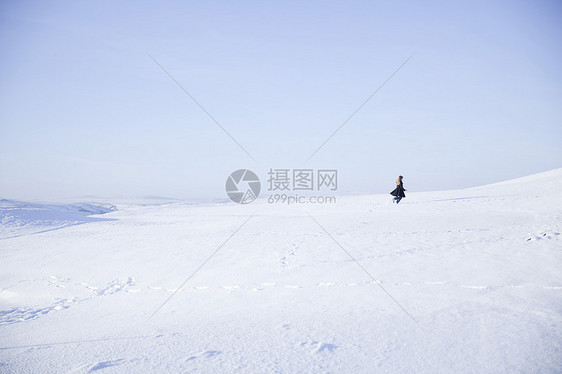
398	192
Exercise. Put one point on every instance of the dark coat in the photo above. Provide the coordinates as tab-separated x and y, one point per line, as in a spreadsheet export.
399	191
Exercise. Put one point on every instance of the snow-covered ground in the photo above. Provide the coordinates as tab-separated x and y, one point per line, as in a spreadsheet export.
473	282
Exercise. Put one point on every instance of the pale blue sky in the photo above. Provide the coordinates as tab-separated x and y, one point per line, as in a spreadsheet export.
85	111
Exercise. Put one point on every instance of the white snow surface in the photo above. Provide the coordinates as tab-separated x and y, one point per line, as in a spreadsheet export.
465	281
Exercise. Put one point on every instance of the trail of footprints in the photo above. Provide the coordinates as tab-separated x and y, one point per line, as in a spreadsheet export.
24	314
313	347
272	285
542	236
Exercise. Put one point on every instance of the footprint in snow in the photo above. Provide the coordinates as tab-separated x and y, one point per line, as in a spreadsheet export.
204	354
542	235
105	364
318	347
476	287
15	315
114	286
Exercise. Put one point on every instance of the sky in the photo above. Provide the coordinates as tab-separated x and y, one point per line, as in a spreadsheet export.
86	111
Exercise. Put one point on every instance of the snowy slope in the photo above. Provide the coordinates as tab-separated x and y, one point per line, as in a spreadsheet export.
467	281
23	218
540	183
